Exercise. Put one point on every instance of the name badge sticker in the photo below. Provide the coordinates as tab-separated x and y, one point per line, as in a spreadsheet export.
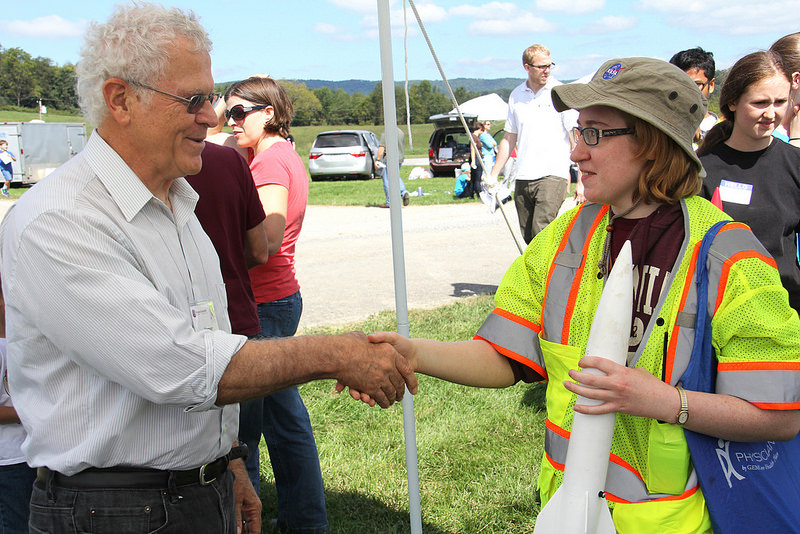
203	316
735	192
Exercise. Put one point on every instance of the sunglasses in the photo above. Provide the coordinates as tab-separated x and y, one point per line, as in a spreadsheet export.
193	104
239	112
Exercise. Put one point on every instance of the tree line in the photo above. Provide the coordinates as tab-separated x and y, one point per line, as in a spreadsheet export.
25	81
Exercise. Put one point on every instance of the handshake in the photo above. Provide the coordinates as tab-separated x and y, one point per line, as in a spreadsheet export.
378	368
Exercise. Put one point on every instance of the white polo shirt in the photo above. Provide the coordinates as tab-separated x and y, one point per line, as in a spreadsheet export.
542	132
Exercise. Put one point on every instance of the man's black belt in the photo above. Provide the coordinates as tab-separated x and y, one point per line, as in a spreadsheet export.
142	478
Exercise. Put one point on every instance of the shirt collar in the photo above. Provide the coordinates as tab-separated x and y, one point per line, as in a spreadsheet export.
124	186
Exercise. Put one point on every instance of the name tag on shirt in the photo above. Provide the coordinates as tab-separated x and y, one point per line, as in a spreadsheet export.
735	192
203	316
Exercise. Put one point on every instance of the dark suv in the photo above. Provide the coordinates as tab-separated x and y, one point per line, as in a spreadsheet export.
449	143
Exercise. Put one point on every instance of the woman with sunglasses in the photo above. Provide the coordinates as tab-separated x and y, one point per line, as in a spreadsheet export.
756	176
260	113
637	119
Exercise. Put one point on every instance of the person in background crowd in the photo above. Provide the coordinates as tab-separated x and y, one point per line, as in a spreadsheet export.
16	477
756	176
701	68
543	139
260	112
380	167
6	166
788	47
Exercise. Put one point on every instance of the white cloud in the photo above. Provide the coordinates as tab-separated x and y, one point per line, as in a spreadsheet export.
496	9
47	27
728	17
522	24
609	24
325	28
572	6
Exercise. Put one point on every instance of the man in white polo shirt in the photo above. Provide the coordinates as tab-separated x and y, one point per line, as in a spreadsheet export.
543	138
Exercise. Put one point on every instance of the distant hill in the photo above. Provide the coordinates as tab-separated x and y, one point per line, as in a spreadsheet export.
470	84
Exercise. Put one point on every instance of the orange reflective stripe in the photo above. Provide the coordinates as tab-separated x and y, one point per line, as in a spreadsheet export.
576	282
684	495
673	339
778	405
517	319
557	429
516	357
759	366
726	267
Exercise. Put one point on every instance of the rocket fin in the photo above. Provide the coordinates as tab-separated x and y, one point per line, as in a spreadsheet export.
549	519
605	525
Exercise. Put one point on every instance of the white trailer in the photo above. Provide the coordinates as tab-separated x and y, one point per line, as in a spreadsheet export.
40	146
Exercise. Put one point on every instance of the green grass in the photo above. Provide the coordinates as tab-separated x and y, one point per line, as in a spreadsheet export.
479	450
27	116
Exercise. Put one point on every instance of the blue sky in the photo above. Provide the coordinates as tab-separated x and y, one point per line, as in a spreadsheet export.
338	39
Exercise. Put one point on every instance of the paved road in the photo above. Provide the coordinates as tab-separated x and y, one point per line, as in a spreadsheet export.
344	258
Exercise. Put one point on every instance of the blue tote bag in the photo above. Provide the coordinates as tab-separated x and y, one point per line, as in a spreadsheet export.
748	486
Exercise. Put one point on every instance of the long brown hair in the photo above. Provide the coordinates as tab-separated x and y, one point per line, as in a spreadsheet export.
788	47
749	70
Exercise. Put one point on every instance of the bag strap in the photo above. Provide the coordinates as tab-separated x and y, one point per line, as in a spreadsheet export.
700	374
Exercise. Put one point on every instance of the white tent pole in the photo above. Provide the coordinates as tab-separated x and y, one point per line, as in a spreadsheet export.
398	254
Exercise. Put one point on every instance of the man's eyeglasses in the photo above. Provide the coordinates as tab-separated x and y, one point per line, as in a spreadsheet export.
193	104
592	136
239	112
543	67
701	85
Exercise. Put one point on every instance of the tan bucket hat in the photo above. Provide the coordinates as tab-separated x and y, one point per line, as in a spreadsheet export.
653	90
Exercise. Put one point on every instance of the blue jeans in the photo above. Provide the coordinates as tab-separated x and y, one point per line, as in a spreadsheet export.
190	508
16	482
385	177
283	419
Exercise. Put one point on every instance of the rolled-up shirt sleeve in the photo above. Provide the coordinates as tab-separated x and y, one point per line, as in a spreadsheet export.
121	312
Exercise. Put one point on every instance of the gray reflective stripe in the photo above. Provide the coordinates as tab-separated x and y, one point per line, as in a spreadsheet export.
620	481
569	260
513	337
566	264
686	319
779	386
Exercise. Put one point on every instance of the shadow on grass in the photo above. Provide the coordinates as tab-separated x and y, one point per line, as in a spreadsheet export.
534	396
350	513
467	290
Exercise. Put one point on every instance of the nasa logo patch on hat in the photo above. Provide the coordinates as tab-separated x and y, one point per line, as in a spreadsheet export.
612	71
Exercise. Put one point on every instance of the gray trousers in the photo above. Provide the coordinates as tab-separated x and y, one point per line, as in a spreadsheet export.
537	203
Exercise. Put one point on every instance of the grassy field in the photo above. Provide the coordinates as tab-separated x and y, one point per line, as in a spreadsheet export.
479	450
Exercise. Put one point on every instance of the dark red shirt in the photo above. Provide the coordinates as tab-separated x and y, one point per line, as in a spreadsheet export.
228	207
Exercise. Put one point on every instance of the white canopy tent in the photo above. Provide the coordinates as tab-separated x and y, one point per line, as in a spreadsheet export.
487	107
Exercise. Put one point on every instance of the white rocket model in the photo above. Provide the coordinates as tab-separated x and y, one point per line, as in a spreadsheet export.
578	506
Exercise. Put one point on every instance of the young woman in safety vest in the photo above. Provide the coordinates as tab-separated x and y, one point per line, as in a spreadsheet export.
641	175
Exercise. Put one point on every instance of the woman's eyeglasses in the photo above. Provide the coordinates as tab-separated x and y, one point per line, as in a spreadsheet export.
193	104
592	136
239	112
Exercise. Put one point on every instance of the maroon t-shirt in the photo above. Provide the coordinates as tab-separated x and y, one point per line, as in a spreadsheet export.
655	243
228	207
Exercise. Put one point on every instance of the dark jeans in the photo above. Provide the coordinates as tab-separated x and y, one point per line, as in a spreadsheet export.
190	508
16	482
283	419
537	203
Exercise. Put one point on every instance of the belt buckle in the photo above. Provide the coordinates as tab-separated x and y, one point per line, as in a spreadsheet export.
202	476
